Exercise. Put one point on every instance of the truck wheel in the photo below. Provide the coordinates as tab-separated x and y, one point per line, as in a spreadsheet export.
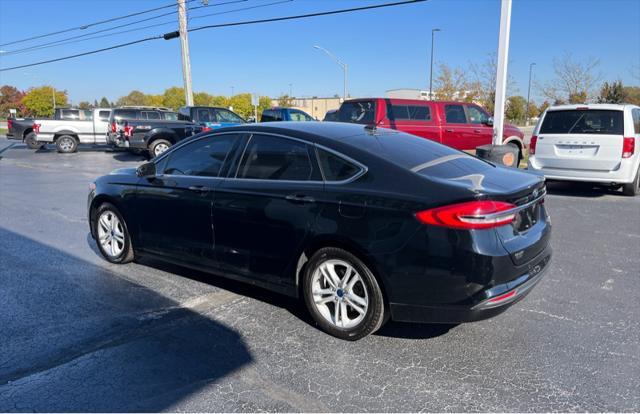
67	144
31	142
158	146
633	188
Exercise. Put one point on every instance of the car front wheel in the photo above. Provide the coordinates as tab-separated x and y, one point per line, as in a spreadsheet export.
112	235
342	294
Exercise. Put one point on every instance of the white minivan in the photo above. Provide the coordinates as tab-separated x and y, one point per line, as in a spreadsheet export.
590	142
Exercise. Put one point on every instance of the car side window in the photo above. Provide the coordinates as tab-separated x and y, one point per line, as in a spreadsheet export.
228	116
274	158
409	112
170	116
476	115
636	120
335	168
150	115
104	115
204	115
203	157
298	116
455	114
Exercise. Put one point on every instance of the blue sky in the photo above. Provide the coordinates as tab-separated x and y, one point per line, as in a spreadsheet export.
384	49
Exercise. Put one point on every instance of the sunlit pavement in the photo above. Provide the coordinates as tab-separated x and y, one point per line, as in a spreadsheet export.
79	334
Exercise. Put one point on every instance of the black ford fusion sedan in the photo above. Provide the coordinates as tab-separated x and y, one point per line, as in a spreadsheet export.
364	224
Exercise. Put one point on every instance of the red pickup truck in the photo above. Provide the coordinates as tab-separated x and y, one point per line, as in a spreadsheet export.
460	125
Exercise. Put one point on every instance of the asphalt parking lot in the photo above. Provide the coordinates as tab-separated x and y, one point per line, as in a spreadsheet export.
80	334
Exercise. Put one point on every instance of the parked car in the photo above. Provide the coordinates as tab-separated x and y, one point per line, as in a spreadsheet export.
331	116
284	114
363	223
22	129
72	127
210	117
593	143
460	125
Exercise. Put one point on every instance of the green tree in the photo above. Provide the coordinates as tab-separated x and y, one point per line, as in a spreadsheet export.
220	100
285	101
202	98
612	93
134	98
104	103
263	103
533	109
173	97
451	84
39	101
516	108
84	105
154	100
10	98
241	104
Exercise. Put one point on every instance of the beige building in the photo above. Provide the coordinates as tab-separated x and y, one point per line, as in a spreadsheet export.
316	107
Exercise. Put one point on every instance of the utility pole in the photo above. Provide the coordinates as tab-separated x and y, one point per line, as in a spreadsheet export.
53	96
184	44
433	31
345	69
501	73
529	92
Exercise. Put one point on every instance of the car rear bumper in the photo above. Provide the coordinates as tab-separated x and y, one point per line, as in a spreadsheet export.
485	304
625	173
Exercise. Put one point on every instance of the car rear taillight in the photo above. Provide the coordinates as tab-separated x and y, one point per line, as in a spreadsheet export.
9	123
628	147
470	215
532	144
36	128
114	127
503	297
206	129
128	131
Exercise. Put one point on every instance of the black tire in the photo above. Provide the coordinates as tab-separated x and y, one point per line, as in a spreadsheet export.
30	140
373	318
127	254
66	144
633	188
155	146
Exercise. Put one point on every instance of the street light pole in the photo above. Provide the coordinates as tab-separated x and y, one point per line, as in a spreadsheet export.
433	31
341	64
184	45
529	91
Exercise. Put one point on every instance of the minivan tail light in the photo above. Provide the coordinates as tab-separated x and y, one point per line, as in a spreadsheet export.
470	215
114	127
628	147
532	144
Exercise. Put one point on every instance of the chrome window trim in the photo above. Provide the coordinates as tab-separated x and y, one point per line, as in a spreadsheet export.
363	168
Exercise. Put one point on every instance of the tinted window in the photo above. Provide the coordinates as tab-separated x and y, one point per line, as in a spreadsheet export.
228	116
409	112
299	116
202	158
331	116
359	112
69	114
591	121
636	120
170	116
270	116
150	115
204	115
86	115
273	158
476	115
334	168
455	114
104	115
125	114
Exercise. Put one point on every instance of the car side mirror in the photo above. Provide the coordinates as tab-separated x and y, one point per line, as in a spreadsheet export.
147	170
489	121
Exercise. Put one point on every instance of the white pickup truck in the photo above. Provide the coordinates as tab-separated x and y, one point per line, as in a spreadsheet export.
73	127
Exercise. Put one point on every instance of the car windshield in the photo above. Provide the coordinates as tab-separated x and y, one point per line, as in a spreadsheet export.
358	112
582	121
228	116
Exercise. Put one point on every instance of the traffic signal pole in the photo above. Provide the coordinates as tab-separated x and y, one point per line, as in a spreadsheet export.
184	44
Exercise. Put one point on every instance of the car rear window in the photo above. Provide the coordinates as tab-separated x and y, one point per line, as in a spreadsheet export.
270	116
358	112
125	114
583	121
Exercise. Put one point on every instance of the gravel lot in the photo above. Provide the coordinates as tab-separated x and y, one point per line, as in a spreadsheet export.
80	334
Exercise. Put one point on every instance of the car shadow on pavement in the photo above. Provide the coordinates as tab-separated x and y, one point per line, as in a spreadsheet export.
294	306
78	337
579	189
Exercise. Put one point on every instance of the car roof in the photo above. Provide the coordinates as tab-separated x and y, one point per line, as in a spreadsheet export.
409	101
605	106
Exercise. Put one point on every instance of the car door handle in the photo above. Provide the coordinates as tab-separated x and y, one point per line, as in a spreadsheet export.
199	189
477	131
300	198
448	130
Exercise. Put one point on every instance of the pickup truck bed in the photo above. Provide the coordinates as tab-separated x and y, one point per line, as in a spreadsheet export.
154	136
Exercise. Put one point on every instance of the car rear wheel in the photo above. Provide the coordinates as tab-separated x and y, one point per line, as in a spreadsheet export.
32	143
633	188
66	144
158	147
112	235
342	294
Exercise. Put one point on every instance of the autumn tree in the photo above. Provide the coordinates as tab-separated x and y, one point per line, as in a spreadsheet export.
483	84
612	93
574	79
134	98
84	105
516	108
10	98
632	94
451	84
533	110
285	101
174	97
39	101
543	107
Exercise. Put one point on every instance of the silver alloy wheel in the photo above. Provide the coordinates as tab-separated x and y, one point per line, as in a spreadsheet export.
110	234
339	293
160	148
66	144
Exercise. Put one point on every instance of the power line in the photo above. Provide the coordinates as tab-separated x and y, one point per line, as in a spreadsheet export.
248	22
85	26
68	40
